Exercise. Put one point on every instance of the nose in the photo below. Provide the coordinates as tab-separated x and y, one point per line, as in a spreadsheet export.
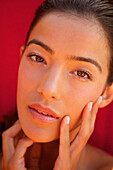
50	85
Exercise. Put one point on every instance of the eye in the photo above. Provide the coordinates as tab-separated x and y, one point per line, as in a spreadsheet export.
83	75
37	58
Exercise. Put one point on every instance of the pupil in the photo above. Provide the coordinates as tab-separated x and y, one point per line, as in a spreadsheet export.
39	59
81	74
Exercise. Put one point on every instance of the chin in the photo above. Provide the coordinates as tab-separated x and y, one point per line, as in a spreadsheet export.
41	139
40	136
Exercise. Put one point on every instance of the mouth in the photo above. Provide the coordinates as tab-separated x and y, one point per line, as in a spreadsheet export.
43	114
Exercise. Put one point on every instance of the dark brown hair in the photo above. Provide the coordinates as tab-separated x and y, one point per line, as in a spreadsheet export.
101	10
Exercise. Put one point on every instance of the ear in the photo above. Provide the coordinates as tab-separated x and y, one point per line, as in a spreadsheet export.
22	48
107	96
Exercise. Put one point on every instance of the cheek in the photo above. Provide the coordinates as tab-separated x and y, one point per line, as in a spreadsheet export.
75	95
28	79
77	98
25	84
81	94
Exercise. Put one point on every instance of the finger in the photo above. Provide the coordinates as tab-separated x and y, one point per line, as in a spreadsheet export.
87	126
84	132
95	110
34	156
89	116
8	140
18	137
17	161
64	139
21	148
63	160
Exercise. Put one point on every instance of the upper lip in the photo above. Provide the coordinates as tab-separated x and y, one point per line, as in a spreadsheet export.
43	109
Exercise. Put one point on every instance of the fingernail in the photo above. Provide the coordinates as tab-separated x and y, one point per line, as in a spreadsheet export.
90	105
100	100
67	119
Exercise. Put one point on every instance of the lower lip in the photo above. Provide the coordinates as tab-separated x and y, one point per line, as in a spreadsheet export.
40	117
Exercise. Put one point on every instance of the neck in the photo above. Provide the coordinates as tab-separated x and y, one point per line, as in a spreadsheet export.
49	153
50	150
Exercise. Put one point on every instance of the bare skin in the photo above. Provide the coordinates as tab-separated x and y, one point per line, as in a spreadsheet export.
67	74
75	155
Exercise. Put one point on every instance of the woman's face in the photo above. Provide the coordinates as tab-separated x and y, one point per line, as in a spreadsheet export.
64	66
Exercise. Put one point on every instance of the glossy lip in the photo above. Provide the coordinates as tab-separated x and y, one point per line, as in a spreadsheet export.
35	109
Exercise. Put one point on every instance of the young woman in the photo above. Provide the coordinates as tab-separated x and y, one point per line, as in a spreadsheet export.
65	75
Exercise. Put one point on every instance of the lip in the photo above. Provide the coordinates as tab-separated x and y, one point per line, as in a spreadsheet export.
35	109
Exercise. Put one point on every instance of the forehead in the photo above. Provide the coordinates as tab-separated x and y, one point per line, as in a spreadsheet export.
69	35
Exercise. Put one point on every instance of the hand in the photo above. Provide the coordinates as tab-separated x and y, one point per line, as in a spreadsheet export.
13	155
69	154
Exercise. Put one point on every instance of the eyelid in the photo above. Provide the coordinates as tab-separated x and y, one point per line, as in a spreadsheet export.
90	76
35	52
34	49
31	54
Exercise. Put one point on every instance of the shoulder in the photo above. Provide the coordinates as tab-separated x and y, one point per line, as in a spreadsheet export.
93	158
99	157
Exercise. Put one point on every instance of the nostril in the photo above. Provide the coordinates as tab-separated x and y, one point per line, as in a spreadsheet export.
47	94
48	90
40	91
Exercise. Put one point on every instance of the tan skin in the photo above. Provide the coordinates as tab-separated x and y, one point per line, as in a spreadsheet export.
68	78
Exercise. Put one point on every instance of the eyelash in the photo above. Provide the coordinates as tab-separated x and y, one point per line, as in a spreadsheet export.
36	58
83	75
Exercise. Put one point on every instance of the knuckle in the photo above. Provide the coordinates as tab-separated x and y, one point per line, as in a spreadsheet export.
21	141
85	136
4	134
92	129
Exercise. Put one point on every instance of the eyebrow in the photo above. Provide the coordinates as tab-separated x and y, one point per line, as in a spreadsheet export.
89	60
37	42
77	58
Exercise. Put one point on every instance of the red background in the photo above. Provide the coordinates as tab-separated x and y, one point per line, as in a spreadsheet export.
15	18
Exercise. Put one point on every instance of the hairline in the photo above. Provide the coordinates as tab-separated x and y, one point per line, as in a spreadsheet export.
85	16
